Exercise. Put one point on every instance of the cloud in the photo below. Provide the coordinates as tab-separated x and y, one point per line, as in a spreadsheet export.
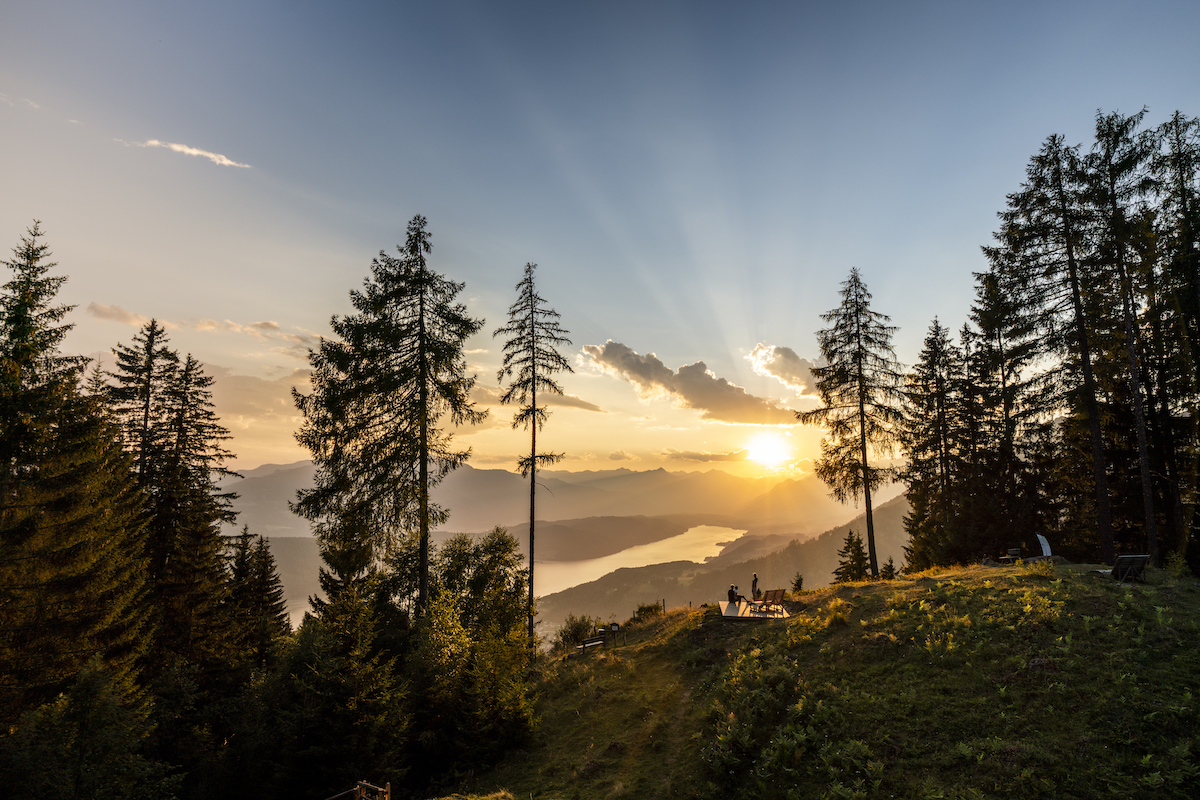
216	158
116	314
692	455
4	99
31	103
260	412
693	385
782	364
621	455
490	395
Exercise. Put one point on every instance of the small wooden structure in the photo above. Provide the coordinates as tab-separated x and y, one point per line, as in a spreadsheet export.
1130	567
365	791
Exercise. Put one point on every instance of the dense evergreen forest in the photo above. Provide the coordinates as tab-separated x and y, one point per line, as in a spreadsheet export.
143	654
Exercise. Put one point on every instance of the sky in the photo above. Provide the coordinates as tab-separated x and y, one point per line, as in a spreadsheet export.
694	181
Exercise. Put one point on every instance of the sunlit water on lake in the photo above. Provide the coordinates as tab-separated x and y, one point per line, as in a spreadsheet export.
695	544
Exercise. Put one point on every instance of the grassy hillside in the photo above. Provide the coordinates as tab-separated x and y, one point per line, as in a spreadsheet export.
619	593
1036	681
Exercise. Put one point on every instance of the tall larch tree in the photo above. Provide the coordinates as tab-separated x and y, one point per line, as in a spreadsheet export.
380	391
862	388
531	359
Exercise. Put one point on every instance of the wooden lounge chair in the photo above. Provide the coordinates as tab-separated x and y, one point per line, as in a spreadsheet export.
772	599
1130	567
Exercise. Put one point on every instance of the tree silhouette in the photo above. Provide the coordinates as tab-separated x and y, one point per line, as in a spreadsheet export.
379	393
531	357
1045	226
861	387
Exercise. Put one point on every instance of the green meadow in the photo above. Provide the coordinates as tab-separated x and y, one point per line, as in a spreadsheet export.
1039	680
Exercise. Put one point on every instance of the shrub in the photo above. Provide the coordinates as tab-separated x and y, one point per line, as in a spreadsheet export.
574	630
798	583
648	610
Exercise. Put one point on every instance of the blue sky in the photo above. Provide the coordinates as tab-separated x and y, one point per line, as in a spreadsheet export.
694	179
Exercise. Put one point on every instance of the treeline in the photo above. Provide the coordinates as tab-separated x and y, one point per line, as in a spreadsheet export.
1068	404
143	654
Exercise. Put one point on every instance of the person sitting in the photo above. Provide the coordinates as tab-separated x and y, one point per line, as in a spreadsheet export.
734	597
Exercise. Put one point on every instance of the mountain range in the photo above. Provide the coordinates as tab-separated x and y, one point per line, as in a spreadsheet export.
479	499
587	515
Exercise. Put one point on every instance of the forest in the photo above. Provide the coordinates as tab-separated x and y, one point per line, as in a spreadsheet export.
144	654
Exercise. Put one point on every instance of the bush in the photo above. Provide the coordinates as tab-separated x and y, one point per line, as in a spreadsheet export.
574	630
798	583
648	610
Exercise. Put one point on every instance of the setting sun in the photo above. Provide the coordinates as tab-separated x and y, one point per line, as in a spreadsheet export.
769	449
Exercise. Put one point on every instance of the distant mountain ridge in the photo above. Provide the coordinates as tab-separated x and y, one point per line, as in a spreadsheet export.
479	499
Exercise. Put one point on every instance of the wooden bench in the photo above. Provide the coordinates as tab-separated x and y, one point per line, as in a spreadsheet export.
1130	567
598	640
771	599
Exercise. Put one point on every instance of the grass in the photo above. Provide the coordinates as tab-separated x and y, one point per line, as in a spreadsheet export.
1035	681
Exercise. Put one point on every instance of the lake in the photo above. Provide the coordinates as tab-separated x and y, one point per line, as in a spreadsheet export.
695	544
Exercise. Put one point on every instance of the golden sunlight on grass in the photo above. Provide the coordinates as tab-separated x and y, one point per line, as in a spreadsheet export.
769	449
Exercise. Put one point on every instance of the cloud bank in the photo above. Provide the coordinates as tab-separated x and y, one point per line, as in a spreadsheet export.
187	150
295	345
693	455
693	386
782	364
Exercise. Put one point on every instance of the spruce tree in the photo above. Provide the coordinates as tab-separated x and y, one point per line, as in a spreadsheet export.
256	601
930	430
531	352
143	371
1116	180
1045	228
852	560
379	393
861	388
71	579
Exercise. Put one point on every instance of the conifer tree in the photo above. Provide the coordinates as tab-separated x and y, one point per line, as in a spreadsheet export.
861	388
1117	179
930	430
852	560
177	441
1045	228
144	369
531	351
379	393
256	601
71	576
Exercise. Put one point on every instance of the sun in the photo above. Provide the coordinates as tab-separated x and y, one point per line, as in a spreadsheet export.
769	449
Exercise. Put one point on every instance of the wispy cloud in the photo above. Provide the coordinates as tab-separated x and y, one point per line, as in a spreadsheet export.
117	314
294	345
782	364
187	150
621	455
693	385
489	395
694	455
31	103
4	99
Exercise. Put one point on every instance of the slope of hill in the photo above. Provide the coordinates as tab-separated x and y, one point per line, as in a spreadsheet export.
965	683
682	582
